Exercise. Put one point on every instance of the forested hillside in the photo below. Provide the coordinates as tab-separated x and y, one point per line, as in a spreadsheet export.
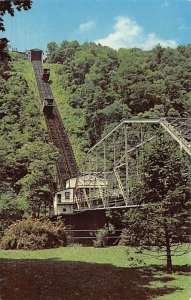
27	159
96	86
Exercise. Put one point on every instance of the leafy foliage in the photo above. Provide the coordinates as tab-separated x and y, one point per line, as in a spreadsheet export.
10	215
101	238
100	86
27	160
4	56
33	234
96	87
164	218
9	6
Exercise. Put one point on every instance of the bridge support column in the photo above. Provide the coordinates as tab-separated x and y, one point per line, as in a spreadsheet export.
104	155
126	165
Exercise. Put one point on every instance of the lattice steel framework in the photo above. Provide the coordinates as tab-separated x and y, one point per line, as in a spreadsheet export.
112	169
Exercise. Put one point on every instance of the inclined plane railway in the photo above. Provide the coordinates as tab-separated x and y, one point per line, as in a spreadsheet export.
109	185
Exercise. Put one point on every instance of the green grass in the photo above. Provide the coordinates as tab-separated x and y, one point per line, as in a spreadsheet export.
177	281
148	274
73	119
25	68
72	122
116	256
87	273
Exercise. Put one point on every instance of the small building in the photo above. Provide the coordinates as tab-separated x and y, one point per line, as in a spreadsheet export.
63	202
35	54
78	190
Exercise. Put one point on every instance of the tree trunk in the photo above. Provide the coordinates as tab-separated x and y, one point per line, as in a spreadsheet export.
168	252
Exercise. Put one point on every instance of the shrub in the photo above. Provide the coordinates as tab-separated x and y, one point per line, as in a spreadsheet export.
124	238
34	234
101	238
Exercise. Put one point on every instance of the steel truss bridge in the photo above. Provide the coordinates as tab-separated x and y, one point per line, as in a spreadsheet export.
112	169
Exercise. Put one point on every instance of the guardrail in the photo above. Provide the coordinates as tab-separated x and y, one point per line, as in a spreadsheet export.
88	236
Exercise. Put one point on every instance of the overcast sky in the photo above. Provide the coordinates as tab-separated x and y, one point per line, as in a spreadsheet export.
115	23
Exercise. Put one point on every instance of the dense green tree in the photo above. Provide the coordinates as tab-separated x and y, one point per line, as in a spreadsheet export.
4	56
27	160
135	82
9	6
37	185
51	52
103	85
164	195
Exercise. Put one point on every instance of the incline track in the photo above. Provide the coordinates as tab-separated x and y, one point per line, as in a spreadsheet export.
66	164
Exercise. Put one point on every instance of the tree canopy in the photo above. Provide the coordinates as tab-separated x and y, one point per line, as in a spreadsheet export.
163	220
27	159
95	87
102	86
9	6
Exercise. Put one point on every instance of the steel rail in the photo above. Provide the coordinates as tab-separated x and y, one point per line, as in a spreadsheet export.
66	166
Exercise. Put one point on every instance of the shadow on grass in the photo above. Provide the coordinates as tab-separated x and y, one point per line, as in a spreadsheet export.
54	279
176	268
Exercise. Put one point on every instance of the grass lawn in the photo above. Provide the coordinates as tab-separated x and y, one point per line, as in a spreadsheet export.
90	273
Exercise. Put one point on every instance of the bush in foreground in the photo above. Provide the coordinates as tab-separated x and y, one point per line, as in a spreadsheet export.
101	238
33	234
103	235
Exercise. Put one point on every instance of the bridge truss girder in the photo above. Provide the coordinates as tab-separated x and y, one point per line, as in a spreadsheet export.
113	166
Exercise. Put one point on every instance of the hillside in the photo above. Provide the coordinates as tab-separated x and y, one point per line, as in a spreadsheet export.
96	86
27	159
74	120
